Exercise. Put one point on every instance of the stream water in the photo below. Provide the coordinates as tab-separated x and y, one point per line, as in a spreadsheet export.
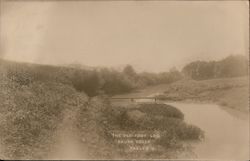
226	135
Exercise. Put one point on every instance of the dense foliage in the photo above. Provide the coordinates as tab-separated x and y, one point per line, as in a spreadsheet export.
91	81
166	119
108	81
32	111
30	115
231	66
160	110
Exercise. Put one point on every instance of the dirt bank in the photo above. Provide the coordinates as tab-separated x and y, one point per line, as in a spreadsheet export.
68	144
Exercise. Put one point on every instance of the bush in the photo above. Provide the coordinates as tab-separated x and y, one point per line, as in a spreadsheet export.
20	76
160	110
189	132
114	82
86	81
152	116
31	115
160	117
165	119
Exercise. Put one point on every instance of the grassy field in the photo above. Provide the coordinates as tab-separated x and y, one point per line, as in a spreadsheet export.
229	92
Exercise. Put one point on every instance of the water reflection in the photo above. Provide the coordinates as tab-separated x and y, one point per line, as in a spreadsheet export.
227	136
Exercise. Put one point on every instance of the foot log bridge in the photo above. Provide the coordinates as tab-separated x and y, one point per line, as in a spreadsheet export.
132	99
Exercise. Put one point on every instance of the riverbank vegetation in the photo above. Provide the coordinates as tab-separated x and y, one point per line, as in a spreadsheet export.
230	92
93	82
164	119
96	81
229	67
34	98
30	116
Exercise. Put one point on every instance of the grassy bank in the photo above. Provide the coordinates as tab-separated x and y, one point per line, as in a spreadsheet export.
32	109
165	120
230	92
30	116
35	98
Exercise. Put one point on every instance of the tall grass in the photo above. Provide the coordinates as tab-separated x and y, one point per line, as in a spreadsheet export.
30	114
155	117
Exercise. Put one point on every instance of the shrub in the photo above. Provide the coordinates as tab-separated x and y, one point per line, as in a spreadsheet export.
31	116
86	81
150	117
154	109
20	76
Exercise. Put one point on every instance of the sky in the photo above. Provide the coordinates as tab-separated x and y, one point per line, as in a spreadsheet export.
153	36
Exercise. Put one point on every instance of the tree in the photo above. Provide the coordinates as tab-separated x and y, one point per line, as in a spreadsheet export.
129	71
231	66
87	81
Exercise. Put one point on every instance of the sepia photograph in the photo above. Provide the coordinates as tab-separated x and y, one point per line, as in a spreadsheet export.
124	80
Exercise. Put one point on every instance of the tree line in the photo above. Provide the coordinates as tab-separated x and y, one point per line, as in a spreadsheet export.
109	81
231	66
